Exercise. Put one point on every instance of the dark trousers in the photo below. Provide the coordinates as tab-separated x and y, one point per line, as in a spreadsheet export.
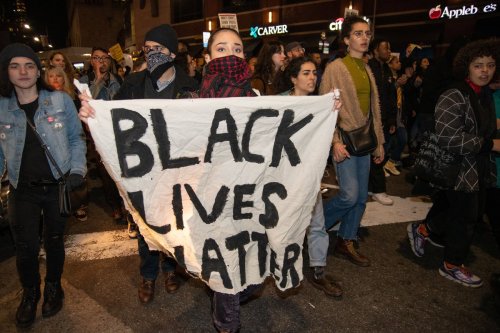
226	308
26	203
456	223
376	182
111	193
492	210
150	261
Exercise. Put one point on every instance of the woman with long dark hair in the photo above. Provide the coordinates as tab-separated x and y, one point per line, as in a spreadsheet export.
270	61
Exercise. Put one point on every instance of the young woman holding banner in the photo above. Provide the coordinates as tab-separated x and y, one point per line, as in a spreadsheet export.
299	79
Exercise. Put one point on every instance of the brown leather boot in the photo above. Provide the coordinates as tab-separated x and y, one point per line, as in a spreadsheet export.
345	249
171	282
146	291
326	283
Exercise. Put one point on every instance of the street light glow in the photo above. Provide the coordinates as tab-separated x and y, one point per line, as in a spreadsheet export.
36	39
27	26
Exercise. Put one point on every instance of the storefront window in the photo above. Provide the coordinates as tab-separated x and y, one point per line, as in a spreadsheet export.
289	2
235	6
186	10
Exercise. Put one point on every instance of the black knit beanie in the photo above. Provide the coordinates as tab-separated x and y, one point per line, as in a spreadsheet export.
19	50
164	35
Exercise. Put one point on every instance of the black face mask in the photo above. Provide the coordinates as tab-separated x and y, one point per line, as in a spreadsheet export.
158	63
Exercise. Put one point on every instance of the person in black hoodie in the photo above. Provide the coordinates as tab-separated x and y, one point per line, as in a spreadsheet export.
388	108
465	125
161	80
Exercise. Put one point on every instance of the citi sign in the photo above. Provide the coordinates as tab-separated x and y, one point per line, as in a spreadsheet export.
257	31
337	25
437	12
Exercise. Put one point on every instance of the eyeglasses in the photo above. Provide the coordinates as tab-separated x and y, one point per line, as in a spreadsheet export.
156	48
100	59
359	34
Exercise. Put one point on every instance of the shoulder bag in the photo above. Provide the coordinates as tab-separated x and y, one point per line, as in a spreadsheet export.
360	141
435	165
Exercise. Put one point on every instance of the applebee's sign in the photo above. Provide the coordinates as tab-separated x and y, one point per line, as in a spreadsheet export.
450	13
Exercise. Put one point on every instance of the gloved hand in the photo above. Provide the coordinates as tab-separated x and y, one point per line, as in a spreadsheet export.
74	181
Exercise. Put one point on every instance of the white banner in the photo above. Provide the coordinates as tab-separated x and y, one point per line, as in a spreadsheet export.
225	185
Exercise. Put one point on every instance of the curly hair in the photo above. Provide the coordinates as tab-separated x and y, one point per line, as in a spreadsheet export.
264	68
284	82
349	21
473	50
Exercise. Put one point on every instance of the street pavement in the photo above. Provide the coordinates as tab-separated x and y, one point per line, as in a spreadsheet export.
397	293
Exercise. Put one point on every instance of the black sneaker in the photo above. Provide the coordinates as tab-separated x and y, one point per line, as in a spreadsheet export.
53	296
26	312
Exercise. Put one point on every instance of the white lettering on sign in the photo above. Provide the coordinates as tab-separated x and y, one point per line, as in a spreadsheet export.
437	12
255	32
337	25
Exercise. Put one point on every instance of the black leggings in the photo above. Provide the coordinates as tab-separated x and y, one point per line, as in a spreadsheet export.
26	203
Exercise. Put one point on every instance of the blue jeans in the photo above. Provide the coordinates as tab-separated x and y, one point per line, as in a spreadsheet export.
151	260
397	144
348	206
317	237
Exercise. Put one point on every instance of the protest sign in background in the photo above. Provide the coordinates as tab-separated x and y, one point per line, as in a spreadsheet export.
225	185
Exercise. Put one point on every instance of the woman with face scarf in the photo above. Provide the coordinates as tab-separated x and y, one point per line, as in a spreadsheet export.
227	75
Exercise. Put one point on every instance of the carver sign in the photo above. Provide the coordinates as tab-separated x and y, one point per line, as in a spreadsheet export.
257	31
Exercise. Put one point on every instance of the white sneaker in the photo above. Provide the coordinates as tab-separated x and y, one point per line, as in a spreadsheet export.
382	198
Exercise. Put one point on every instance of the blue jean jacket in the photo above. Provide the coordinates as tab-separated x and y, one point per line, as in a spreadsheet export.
56	120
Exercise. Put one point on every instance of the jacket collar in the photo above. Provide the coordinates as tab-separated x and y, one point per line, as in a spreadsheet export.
43	100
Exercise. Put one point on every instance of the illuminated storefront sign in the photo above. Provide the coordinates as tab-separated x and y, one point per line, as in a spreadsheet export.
337	25
453	13
257	31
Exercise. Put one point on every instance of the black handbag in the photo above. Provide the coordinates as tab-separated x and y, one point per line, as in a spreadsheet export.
360	141
65	208
435	165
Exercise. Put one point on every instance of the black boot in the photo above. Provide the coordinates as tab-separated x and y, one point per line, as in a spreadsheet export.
26	312
53	296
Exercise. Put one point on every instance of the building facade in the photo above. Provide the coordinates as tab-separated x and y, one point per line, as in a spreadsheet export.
401	22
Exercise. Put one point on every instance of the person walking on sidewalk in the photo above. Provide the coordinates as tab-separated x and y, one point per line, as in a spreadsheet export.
378	64
359	97
465	125
28	104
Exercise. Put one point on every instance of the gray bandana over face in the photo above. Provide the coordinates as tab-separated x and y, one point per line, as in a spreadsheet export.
158	63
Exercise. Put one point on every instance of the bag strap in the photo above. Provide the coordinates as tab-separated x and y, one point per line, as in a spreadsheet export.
47	151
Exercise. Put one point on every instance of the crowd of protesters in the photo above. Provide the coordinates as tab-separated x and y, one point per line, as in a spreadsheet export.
404	96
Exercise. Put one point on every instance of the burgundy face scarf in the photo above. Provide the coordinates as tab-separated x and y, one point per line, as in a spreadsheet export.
226	77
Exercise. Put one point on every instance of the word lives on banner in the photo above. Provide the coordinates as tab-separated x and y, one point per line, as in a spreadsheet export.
227	186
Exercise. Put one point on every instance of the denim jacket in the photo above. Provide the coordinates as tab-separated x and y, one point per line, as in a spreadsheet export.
56	120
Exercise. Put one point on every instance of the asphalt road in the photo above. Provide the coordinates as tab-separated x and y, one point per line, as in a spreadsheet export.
398	293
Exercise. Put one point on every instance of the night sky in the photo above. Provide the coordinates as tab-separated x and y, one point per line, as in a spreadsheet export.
49	16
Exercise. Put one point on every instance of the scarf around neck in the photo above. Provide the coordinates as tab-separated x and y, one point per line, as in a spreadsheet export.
226	77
